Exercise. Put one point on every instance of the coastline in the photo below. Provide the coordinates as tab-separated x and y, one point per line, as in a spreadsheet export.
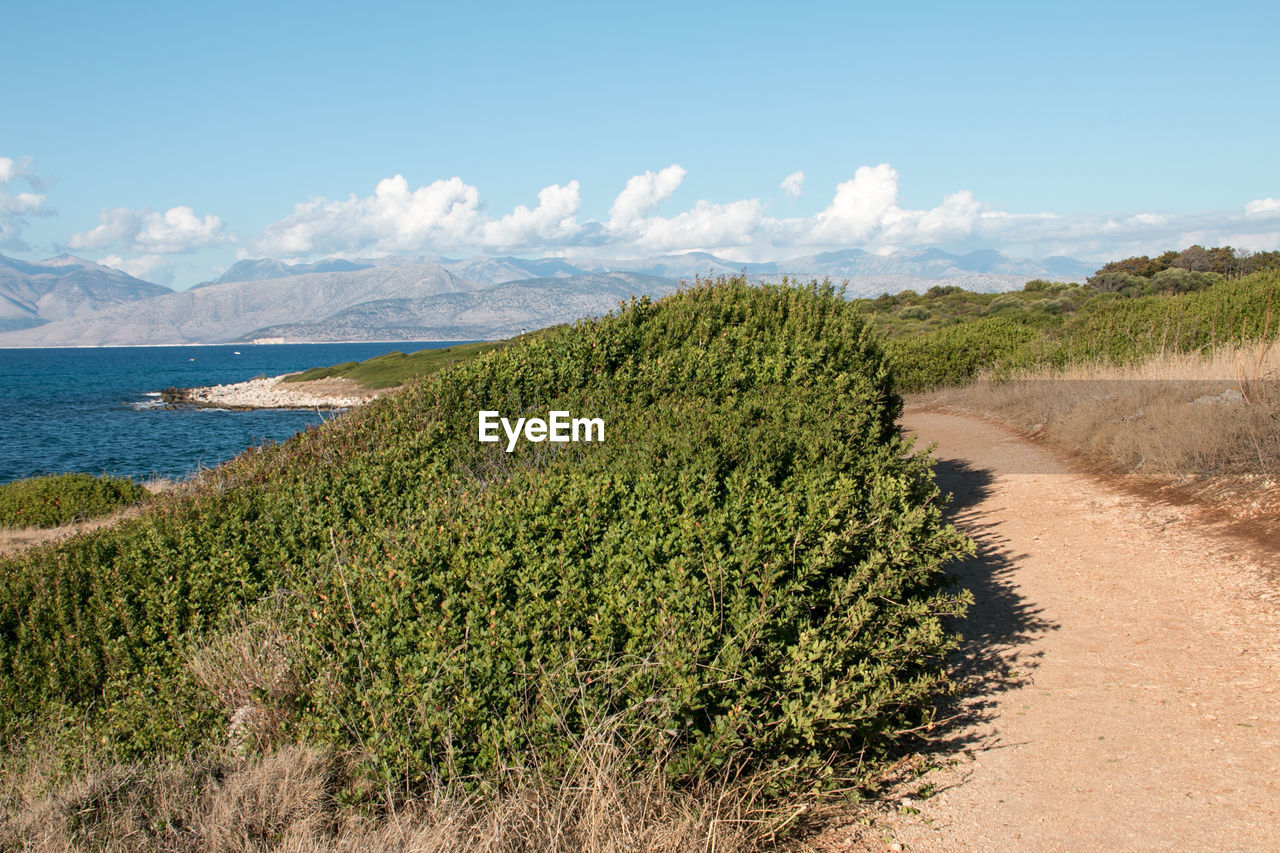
253	343
273	393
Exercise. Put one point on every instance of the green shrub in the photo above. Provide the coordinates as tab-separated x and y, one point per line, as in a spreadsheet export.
1009	303
954	355
747	574
1117	282
62	498
1178	280
1172	311
1119	330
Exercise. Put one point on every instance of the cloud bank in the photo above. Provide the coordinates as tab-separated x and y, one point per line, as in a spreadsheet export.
449	217
175	231
151	238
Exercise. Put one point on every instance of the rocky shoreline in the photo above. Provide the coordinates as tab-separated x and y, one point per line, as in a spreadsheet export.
273	393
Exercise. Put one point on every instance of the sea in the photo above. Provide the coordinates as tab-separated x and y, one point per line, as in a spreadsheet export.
98	410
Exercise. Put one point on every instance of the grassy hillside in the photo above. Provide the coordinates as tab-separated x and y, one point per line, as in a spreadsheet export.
949	336
396	368
1167	375
745	579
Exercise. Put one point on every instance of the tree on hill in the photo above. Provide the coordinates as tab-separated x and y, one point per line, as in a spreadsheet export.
1119	276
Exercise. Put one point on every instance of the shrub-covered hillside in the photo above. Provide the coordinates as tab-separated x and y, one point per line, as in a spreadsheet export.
948	335
748	572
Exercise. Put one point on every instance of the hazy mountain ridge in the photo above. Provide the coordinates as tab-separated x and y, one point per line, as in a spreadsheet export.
846	263
35	293
263	269
498	311
410	298
855	265
218	313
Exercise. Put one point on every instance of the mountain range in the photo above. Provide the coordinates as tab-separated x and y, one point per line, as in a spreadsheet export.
67	301
37	293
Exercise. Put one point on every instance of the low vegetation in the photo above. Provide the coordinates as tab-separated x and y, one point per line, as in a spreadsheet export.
285	800
57	499
1165	368
735	601
1205	423
396	368
949	336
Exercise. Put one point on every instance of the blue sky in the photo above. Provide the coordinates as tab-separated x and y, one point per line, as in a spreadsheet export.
171	139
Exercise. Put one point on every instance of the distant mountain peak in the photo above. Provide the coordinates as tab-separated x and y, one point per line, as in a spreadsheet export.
265	268
66	259
34	293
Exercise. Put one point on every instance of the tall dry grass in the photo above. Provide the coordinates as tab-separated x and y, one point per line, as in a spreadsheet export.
262	793
1210	421
286	801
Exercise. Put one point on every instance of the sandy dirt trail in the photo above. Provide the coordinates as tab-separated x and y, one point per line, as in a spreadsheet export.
1125	667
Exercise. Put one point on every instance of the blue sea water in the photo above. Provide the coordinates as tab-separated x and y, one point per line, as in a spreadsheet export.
96	410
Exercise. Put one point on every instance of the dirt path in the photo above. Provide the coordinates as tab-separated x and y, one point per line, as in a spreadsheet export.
1125	668
16	540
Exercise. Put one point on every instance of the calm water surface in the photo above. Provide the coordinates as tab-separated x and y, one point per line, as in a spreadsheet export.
96	410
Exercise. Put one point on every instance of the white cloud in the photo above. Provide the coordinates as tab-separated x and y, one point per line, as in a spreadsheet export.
955	219
554	220
21	203
448	217
860	206
23	169
707	226
642	195
174	231
393	219
115	226
178	229
16	207
444	216
793	184
153	268
1262	207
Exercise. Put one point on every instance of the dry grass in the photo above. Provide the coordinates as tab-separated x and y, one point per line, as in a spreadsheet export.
1207	422
261	793
249	667
286	802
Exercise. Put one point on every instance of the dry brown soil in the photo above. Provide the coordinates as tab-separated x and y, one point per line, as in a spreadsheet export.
337	386
1123	670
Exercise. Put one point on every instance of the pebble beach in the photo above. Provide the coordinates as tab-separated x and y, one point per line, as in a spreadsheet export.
274	393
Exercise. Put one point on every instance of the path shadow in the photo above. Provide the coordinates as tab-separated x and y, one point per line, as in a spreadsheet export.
998	650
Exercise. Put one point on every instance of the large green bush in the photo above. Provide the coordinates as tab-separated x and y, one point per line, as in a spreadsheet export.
62	498
954	355
747	573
